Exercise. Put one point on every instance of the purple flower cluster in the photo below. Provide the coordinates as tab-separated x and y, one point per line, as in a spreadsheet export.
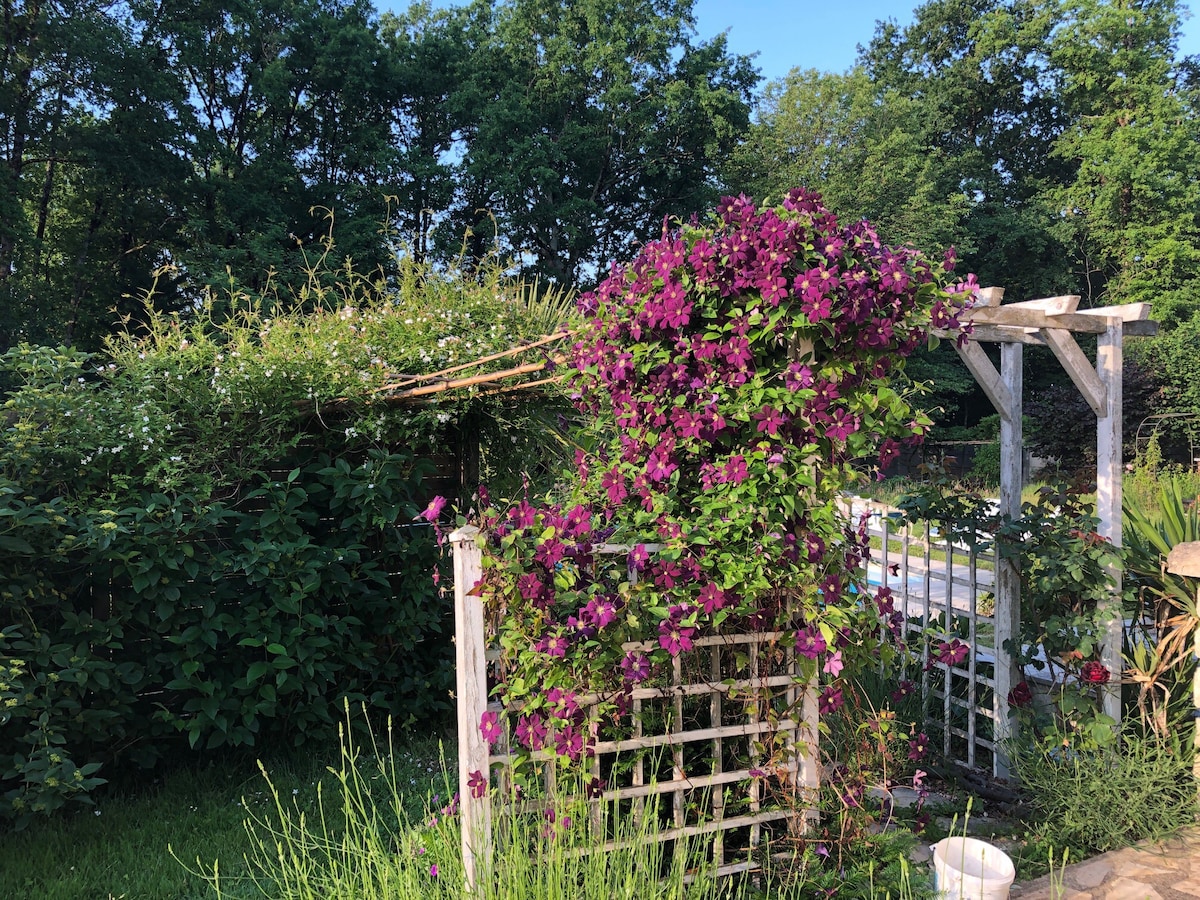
733	363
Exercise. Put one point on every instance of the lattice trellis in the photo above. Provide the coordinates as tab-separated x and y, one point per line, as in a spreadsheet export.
726	740
943	585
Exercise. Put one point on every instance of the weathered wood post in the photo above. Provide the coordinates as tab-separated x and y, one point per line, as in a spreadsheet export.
1184	559
471	696
1008	569
1004	390
1109	462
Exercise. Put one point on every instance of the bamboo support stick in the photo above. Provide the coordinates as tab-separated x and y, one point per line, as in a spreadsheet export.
511	351
441	386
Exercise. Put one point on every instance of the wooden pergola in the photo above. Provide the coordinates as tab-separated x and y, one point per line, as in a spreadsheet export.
1053	322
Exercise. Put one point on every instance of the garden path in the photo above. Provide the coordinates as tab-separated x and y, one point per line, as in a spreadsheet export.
1162	870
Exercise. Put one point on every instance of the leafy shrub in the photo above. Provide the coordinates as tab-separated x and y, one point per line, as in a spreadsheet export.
209	533
1064	425
231	626
1106	798
1161	661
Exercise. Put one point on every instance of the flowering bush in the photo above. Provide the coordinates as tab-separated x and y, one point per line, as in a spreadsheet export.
740	373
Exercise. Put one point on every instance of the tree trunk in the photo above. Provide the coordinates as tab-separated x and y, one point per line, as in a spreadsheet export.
20	33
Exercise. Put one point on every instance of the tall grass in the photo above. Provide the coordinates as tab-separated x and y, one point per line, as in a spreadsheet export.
118	848
358	843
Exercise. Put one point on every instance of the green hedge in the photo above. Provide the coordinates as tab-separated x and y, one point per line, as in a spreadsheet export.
231	624
207	533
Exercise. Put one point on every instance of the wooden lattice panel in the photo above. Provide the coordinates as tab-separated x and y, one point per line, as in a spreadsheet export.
725	741
947	586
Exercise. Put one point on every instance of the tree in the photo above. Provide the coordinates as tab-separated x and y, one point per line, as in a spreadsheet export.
860	147
288	125
1130	212
88	154
431	54
595	120
977	72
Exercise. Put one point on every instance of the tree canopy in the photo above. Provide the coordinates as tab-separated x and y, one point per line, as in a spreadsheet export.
1054	142
192	146
216	142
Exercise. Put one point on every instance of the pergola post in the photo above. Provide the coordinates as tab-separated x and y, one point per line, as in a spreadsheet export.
1053	322
1008	569
1108	500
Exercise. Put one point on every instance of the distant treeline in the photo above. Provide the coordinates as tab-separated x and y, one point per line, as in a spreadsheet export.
1055	143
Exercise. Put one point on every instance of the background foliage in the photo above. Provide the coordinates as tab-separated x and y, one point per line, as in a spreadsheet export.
1051	141
211	534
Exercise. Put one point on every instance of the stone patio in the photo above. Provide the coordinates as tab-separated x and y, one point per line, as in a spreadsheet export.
1166	870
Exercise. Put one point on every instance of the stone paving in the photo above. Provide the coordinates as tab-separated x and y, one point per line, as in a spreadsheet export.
1167	870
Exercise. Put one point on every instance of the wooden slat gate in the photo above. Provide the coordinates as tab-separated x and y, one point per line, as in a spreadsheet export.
728	739
947	586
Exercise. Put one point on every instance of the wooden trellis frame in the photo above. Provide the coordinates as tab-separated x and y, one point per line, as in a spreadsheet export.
947	593
794	770
1053	322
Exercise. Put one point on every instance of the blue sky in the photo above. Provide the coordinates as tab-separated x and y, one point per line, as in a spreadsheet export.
820	34
812	34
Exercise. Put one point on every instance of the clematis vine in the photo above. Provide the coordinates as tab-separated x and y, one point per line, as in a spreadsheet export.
740	373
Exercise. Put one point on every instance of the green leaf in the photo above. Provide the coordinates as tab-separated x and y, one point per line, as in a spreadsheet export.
15	544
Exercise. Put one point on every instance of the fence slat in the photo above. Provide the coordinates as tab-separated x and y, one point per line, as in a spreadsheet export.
471	677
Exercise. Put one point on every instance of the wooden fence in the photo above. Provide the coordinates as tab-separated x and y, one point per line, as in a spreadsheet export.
947	586
727	741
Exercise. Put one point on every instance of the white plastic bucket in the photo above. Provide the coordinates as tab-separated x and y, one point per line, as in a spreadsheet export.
969	869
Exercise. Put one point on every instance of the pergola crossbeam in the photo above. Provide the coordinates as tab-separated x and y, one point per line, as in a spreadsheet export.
988	296
1051	306
1024	317
1126	312
1079	367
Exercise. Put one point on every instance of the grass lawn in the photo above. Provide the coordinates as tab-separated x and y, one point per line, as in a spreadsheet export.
119	849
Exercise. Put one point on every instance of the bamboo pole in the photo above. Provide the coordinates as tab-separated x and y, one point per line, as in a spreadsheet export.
511	351
441	386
